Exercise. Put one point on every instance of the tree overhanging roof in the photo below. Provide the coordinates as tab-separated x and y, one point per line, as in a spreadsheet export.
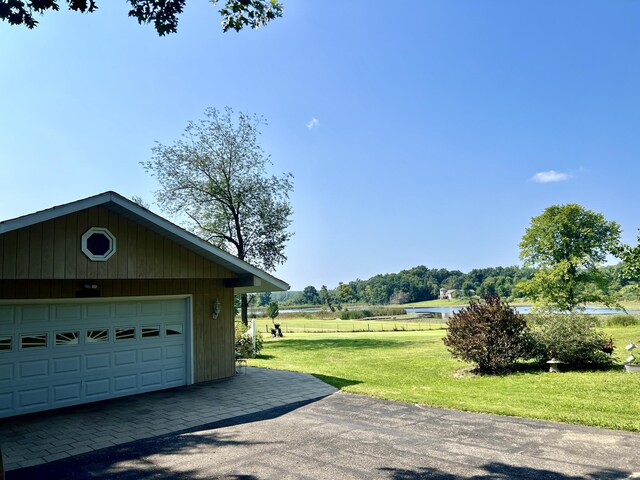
250	278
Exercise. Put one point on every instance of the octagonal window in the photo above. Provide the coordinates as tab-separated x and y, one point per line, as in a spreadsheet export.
98	244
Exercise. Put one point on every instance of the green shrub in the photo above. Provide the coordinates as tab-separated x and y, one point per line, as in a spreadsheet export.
622	320
354	314
372	312
490	334
244	342
572	338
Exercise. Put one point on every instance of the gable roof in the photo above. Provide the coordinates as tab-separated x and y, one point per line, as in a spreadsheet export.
250	278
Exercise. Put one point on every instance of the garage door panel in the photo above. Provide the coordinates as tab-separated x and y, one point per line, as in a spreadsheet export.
100	387
6	372
34	397
97	360
62	354
67	365
151	379
6	404
34	369
67	393
7	316
125	383
174	351
125	358
174	307
34	314
176	375
151	308
67	312
153	354
125	310
98	310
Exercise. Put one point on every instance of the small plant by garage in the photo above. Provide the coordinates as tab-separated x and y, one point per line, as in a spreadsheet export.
244	342
490	334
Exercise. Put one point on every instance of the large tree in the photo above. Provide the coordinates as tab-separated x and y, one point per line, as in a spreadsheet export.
631	261
310	296
236	14
216	176
567	244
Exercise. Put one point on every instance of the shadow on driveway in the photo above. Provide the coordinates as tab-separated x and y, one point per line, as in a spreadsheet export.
500	471
129	461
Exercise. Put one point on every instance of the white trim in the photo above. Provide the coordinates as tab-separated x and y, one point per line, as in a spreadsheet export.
92	256
191	366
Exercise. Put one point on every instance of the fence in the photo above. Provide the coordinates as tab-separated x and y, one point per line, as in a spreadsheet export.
346	327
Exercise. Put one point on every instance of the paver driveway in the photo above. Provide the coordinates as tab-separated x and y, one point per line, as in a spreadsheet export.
352	436
45	437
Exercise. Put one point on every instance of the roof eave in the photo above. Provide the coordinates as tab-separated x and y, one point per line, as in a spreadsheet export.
262	282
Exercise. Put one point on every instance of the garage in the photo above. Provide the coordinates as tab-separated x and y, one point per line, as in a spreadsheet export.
101	298
67	353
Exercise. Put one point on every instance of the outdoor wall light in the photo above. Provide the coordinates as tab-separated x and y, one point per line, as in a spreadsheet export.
215	309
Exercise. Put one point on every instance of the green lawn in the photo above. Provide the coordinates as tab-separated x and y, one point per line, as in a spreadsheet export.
415	367
314	325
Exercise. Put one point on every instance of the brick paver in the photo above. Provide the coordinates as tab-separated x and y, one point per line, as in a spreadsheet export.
43	437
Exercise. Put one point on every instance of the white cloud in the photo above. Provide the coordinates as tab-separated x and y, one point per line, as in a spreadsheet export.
313	123
550	176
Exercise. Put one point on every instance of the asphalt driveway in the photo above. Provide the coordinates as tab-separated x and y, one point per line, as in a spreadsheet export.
350	436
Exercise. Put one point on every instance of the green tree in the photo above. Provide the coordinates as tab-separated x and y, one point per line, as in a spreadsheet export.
310	296
567	244
265	299
216	177
327	298
236	14
344	292
273	310
631	261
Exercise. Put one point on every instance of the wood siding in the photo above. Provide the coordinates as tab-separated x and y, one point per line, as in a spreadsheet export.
45	261
52	250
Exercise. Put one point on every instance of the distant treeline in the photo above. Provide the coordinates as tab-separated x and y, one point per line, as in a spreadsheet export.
422	283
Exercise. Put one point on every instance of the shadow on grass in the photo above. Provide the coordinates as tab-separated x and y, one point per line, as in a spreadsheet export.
539	368
502	471
542	367
265	357
336	381
337	343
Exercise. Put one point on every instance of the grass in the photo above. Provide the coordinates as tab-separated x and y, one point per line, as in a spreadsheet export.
415	367
306	325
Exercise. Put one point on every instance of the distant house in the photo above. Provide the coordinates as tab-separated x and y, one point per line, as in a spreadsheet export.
448	294
101	298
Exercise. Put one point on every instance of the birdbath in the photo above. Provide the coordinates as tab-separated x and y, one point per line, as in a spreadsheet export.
628	365
553	365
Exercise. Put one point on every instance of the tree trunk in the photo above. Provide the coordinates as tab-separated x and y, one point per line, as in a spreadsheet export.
244	304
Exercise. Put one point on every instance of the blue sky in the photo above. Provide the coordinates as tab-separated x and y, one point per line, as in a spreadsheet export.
441	127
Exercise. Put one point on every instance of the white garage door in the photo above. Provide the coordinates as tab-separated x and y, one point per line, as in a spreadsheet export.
59	354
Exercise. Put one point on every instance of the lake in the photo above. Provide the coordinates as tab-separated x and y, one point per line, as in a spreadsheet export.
445	312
